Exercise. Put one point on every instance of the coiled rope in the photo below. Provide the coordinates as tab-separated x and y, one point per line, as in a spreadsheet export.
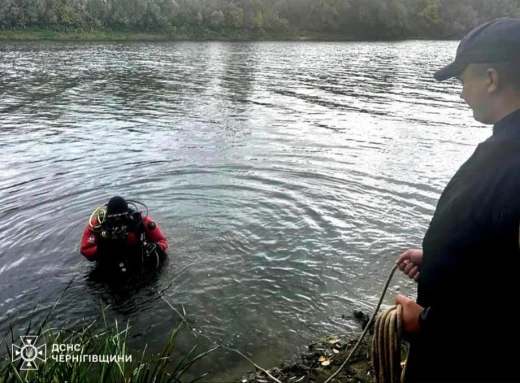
386	346
386	343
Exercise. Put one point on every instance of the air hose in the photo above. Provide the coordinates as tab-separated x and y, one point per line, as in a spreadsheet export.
99	214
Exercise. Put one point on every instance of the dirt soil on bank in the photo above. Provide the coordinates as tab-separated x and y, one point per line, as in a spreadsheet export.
323	359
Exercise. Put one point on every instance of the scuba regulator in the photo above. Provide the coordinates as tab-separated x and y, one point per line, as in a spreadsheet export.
115	228
112	227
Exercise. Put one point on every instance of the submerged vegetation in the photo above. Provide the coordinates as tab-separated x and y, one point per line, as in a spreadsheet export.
247	19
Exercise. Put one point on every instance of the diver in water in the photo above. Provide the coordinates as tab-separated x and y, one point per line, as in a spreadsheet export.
123	237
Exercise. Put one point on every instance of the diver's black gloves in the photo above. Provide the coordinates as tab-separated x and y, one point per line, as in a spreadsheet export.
150	247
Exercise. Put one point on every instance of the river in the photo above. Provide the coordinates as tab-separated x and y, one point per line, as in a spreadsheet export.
287	176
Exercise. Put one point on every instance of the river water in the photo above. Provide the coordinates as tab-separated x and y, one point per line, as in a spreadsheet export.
287	177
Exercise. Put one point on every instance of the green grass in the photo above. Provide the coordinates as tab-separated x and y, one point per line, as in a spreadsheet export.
171	365
112	341
189	34
29	35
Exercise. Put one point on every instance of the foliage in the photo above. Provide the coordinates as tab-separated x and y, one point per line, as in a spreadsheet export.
111	342
381	19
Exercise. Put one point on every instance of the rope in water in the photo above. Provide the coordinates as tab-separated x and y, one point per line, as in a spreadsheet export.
385	351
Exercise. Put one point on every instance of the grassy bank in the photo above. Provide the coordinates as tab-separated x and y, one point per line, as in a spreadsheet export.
79	36
196	35
96	356
102	352
323	358
99	351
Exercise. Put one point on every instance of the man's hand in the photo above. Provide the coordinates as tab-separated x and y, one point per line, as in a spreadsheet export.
411	312
409	263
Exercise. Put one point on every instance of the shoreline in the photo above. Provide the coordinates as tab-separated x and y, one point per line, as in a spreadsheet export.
324	357
50	35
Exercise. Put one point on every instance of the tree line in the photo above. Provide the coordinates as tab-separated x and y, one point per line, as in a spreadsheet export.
356	19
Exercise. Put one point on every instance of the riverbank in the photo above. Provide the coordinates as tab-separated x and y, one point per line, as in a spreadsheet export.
323	358
207	35
321	361
78	36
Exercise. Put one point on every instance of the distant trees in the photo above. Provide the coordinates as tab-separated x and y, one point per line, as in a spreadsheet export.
348	18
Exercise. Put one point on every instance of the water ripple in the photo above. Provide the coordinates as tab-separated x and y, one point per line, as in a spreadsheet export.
287	177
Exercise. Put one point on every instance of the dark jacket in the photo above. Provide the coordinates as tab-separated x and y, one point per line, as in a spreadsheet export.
470	274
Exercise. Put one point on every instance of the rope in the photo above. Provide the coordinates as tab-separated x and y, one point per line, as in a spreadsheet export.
369	324
386	346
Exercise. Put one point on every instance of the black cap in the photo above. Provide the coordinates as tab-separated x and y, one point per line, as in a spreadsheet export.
117	205
492	42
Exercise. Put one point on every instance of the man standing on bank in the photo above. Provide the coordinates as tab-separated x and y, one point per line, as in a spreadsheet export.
463	327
